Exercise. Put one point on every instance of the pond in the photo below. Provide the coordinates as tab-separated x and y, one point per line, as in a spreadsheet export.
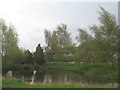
61	77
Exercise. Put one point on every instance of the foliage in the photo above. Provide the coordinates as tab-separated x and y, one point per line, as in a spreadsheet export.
100	46
85	47
10	49
39	55
28	57
97	45
106	37
59	44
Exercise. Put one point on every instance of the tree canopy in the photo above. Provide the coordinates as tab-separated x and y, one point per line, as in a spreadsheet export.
39	55
98	44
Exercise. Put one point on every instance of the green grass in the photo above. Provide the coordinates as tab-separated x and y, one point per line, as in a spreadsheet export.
64	67
19	84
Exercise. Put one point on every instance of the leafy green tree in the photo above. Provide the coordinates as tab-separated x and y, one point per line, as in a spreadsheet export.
19	56
9	43
106	37
63	35
48	39
54	47
39	55
58	44
64	41
28	57
85	50
101	45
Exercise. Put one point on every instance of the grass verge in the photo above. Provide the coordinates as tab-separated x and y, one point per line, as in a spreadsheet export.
19	84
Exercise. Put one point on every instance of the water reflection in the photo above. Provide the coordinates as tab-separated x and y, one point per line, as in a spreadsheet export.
47	78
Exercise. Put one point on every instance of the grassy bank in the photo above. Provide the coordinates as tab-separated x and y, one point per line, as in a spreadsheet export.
64	67
78	67
19	84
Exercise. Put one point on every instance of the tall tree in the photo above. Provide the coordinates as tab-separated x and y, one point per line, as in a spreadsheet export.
64	41
9	43
28	57
85	51
63	36
54	47
58	44
3	28
48	39
39	55
106	36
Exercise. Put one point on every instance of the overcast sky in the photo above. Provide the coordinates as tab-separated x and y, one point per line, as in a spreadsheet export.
31	18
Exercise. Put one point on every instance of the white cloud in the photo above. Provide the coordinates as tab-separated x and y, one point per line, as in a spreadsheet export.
27	16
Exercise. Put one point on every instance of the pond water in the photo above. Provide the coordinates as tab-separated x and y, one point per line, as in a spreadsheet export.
61	77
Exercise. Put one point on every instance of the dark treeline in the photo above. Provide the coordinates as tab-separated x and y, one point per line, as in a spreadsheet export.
97	47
